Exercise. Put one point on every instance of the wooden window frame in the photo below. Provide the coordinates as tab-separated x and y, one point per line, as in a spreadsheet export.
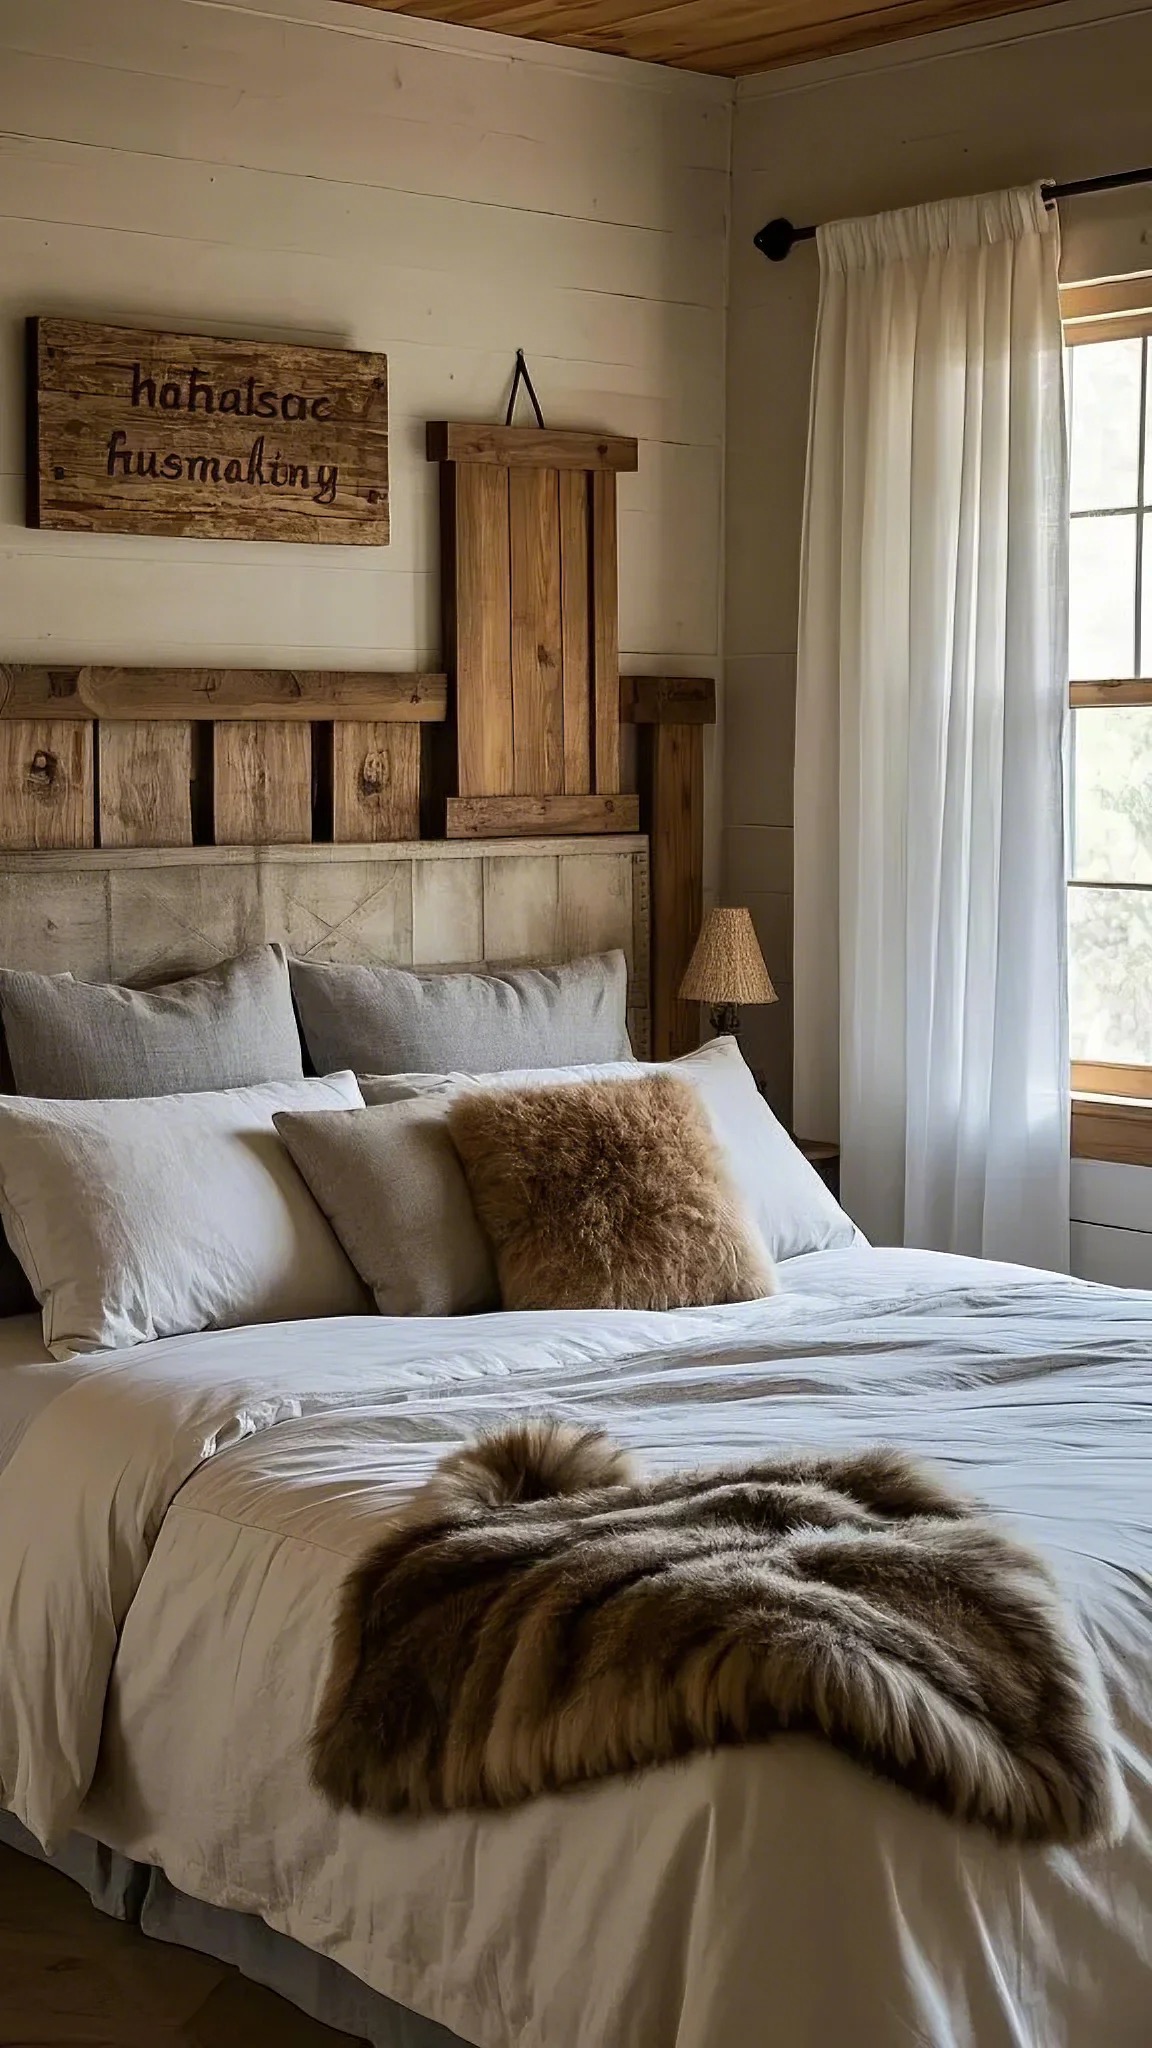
1111	1102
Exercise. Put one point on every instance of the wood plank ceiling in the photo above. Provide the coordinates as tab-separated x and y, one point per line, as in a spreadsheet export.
730	37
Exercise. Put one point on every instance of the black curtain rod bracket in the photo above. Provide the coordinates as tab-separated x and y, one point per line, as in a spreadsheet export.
777	238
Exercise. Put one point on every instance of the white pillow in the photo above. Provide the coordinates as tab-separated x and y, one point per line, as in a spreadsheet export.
150	1217
796	1212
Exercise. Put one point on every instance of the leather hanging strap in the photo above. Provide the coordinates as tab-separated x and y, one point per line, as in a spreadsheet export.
522	377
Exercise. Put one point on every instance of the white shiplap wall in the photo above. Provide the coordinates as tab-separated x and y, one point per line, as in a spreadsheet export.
306	171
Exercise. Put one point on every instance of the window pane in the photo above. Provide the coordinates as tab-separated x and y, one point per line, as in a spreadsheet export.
1105	424
1110	974
1102	615
1112	822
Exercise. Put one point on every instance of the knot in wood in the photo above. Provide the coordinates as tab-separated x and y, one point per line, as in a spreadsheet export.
373	775
43	770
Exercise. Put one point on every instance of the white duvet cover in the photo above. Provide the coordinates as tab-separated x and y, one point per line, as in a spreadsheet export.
198	1502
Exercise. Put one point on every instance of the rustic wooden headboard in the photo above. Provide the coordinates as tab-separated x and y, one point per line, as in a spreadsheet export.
154	818
144	915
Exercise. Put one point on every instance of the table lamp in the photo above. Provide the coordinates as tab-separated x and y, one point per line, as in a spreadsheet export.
727	969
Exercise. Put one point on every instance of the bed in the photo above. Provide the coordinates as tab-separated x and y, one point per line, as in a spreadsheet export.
176	1518
212	1491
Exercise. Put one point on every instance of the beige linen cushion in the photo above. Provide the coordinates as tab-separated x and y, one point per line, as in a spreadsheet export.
152	1217
390	1183
231	1027
607	1194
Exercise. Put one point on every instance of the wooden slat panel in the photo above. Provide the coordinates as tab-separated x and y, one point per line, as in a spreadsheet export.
46	792
375	783
605	636
468	441
668	700
262	785
482	656
145	783
515	817
537	679
202	693
576	615
673	779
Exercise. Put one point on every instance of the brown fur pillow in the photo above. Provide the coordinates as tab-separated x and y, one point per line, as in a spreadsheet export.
607	1194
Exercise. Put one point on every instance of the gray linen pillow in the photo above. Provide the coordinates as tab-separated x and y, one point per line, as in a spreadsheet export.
230	1027
389	1020
392	1187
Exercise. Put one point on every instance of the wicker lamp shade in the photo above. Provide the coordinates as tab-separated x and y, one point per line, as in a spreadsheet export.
727	968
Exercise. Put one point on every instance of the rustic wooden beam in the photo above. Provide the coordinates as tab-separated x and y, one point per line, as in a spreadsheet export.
667	700
514	817
671	763
538	447
246	694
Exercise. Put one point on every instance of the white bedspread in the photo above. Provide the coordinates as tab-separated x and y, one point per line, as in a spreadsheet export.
772	1895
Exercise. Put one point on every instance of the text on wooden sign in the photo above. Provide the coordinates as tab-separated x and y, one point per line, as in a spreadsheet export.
137	432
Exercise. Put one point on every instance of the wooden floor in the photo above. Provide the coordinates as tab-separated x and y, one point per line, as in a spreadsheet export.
71	1978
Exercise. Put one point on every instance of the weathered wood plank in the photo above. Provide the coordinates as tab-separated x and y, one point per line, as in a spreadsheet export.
145	783
447	913
262	784
135	431
481	657
520	899
468	441
375	783
668	700
46	784
513	817
605	635
576	614
672	780
537	676
243	693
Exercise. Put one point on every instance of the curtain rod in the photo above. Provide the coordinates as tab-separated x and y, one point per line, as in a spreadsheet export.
777	237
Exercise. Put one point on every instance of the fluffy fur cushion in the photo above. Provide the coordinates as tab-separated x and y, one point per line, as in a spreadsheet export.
607	1194
537	1617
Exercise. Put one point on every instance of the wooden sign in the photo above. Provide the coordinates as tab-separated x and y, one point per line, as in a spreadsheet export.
137	432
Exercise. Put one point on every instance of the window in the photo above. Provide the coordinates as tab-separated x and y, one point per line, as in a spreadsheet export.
1110	659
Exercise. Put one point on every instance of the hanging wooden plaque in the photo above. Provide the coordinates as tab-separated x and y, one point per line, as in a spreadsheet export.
131	431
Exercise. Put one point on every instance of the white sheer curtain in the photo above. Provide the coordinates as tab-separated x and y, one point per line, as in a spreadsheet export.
930	981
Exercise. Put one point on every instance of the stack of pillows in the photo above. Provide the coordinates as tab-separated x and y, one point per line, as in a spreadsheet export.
465	1142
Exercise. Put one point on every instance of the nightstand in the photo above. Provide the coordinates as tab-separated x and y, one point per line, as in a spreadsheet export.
825	1158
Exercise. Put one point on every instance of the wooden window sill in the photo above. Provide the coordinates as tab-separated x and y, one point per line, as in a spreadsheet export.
1112	1127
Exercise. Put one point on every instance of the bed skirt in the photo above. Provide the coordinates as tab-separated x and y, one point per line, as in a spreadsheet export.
142	1896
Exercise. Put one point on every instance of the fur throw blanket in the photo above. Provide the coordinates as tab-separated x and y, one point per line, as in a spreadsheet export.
538	1617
